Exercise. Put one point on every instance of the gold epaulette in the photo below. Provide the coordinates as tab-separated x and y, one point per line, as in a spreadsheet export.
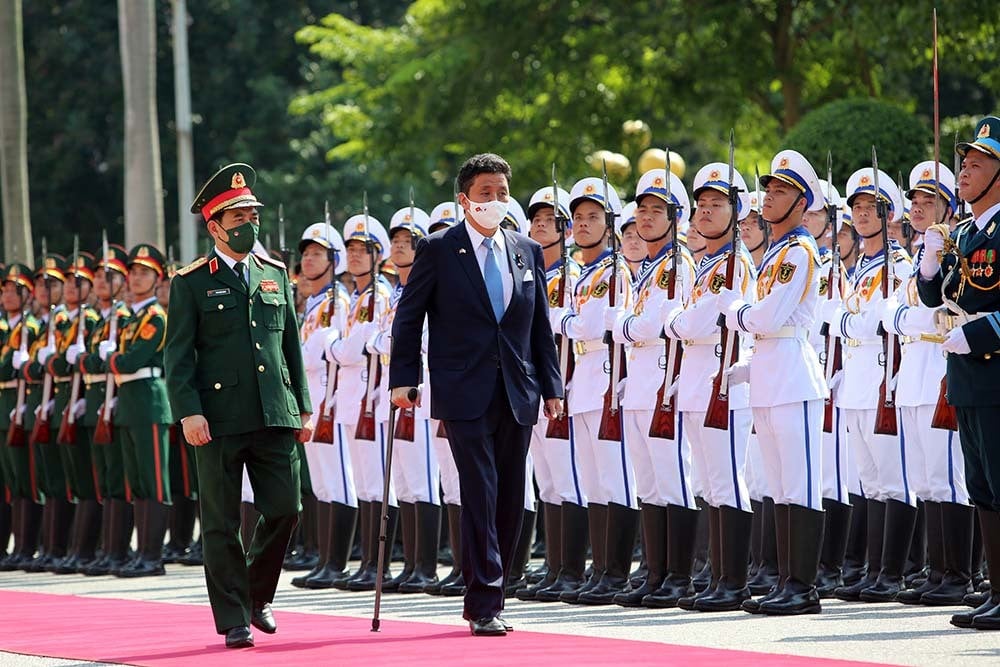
192	266
271	260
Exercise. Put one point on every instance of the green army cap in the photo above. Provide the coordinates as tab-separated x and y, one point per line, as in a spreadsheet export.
987	139
19	274
115	259
228	188
148	255
52	266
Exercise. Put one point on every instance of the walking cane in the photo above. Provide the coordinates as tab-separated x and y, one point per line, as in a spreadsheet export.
376	623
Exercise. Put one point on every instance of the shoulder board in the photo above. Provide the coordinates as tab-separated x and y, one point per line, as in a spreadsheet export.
192	266
4	326
270	260
826	258
92	315
900	255
34	325
156	309
61	317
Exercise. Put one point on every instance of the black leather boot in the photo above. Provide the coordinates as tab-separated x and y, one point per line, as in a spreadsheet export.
6	523
573	559
956	543
86	530
934	538
623	524
731	589
899	521
322	517
782	549
915	569
16	559
701	574
522	552
341	521
454	584
804	537
428	531
364	538
766	575
989	521
654	538
150	561
875	512
597	524
408	527
713	563
307	555
682	526
553	551
831	560
366	582
857	541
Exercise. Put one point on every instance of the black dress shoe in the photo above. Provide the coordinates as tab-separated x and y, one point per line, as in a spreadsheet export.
239	637
487	627
506	626
262	619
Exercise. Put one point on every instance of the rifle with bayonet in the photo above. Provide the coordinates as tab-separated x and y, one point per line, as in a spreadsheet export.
558	428
16	435
664	422
366	419
104	432
885	414
833	357
406	417
717	415
67	425
323	433
41	432
611	419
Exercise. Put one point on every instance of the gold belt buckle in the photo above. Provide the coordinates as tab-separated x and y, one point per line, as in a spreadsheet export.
579	347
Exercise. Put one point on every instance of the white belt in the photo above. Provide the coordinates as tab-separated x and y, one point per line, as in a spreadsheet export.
65	378
861	342
141	374
9	384
647	343
711	340
783	332
582	347
93	378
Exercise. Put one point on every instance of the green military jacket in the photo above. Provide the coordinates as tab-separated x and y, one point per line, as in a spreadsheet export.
12	341
234	356
67	329
34	372
144	401
91	364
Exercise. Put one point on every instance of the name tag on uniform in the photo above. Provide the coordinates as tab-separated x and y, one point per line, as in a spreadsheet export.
218	292
529	277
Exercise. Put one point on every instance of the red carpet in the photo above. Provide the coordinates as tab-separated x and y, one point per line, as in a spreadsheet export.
162	635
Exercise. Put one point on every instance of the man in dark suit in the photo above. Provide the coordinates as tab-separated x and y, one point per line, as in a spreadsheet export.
492	358
237	383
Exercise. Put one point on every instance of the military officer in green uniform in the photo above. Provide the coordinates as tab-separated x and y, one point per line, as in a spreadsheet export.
41	385
143	411
970	325
236	381
21	332
106	448
72	443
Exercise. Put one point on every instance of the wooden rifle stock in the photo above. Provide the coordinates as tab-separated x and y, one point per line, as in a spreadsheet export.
67	427
834	362
664	420
944	412
16	435
611	418
405	424
323	433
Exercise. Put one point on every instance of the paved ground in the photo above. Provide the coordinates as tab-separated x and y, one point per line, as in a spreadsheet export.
890	633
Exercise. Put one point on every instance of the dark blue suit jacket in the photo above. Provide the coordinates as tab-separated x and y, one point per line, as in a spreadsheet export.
467	347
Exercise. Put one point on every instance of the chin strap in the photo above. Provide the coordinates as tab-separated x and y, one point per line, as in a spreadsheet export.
989	187
787	213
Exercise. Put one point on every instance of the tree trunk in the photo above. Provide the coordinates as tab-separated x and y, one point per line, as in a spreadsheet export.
143	179
14	137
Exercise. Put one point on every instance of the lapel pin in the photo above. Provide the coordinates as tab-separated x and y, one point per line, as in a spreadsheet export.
519	261
461	251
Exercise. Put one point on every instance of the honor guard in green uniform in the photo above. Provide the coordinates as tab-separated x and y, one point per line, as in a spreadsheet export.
142	411
106	448
964	283
181	547
237	383
19	334
75	326
58	513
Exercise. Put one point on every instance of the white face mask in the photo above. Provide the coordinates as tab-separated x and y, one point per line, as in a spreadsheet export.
488	214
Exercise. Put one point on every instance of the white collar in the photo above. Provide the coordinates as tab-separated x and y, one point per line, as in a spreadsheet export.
139	305
988	215
230	262
499	242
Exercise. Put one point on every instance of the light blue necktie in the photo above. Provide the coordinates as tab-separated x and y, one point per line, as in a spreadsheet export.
494	284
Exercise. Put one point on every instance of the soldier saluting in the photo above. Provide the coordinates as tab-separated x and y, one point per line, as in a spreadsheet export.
237	383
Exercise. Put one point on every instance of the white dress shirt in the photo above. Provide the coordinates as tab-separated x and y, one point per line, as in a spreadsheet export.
499	253
231	263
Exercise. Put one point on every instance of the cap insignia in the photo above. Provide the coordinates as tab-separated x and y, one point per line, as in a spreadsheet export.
783	163
657	182
143	252
50	263
714	175
238	181
984	131
865	180
926	173
589	190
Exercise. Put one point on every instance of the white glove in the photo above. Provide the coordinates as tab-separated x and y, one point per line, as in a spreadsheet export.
827	310
835	382
79	408
956	343
105	349
18	359
73	353
556	316
889	314
45	352
738	373
933	244
726	298
611	316
668	306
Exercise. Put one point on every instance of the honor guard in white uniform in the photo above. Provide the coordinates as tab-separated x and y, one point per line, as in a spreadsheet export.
934	462
554	458
719	455
415	467
662	466
443	216
366	242
329	463
881	459
602	473
787	405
